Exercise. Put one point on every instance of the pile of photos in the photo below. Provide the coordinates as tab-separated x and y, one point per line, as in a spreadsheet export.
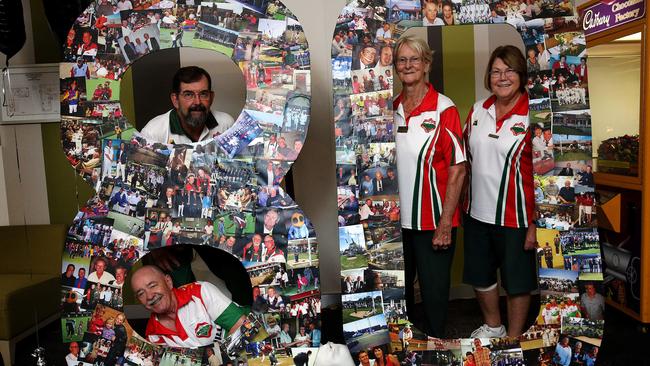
372	264
221	193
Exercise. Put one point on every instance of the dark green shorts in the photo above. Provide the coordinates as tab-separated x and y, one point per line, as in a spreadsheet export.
488	247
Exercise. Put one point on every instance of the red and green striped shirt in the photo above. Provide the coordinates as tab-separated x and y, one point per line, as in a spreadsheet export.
428	142
500	154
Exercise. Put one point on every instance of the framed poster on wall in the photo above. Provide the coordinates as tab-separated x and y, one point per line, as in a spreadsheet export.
30	94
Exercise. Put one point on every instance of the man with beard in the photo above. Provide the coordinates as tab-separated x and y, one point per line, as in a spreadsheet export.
191	119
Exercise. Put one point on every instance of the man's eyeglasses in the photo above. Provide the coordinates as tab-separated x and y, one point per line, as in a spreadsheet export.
190	95
495	74
401	61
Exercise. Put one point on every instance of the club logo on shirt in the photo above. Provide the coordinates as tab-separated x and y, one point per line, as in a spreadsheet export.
203	330
428	125
518	129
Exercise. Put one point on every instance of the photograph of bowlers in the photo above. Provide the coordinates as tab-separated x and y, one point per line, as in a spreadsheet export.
73	95
73	326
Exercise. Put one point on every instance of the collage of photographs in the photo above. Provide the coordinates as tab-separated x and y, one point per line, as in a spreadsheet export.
163	211
569	326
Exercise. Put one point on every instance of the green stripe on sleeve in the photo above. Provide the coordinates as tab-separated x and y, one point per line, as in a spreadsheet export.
230	316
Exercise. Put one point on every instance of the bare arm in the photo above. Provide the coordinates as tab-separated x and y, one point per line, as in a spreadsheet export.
531	237
237	325
455	179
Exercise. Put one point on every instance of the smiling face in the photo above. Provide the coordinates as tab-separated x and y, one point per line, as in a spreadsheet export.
87	37
386	56
368	55
257	240
270	219
363	358
531	54
120	275
154	290
504	84
69	270
430	11
413	70
119	319
193	109
591	290
74	348
269	243
447	12
100	266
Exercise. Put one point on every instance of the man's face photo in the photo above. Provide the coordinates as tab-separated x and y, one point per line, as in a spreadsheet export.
363	358
368	55
269	243
257	239
270	219
100	266
193	101
87	37
120	275
74	348
430	11
153	289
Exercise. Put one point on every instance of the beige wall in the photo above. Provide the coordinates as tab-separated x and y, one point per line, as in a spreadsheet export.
614	67
23	194
314	178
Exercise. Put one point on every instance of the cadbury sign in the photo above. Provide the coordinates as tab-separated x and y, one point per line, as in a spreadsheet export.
609	14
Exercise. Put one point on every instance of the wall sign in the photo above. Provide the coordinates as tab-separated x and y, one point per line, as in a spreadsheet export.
610	14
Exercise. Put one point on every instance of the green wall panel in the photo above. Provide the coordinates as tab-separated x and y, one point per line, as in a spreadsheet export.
66	191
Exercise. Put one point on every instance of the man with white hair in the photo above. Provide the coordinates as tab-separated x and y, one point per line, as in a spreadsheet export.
184	316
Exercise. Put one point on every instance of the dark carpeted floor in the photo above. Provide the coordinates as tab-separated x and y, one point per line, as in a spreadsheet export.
624	343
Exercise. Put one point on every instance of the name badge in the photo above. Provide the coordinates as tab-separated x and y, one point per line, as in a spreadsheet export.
402	129
493	136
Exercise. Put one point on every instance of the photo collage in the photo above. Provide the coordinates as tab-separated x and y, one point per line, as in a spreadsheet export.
370	244
225	193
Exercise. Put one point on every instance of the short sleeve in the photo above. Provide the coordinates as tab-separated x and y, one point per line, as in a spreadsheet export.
467	130
219	306
450	121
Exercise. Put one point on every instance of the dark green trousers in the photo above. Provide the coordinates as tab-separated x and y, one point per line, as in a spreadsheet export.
433	268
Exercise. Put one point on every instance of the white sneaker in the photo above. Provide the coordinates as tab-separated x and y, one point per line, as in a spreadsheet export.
485	331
